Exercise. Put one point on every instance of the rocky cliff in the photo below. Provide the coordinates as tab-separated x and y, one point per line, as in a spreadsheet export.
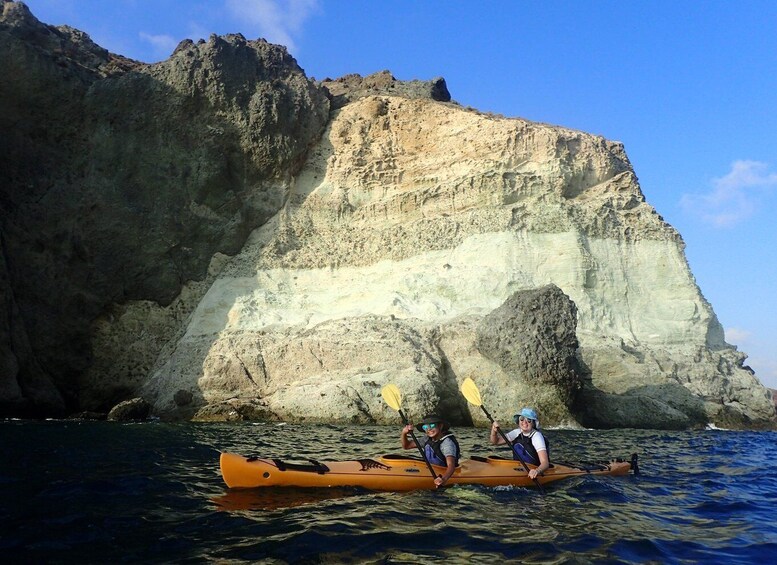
228	239
120	182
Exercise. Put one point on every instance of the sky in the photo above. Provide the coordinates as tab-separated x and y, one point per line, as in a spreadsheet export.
689	87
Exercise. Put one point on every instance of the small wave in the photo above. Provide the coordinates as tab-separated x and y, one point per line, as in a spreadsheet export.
717	429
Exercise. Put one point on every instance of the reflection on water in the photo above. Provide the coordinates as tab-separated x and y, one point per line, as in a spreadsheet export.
95	492
274	498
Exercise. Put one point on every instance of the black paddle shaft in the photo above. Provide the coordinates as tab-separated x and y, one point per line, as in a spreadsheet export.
418	445
508	442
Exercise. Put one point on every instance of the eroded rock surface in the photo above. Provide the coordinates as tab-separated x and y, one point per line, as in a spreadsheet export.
228	239
120	182
354	86
429	217
533	335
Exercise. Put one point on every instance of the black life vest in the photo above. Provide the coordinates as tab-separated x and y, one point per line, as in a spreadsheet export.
524	449
434	453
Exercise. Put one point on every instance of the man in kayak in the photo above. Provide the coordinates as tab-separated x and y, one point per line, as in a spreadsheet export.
439	445
528	442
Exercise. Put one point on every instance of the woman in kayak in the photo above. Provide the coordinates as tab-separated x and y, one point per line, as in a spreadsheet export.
439	445
528	442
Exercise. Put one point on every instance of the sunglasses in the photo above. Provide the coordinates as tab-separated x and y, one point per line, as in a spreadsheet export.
427	427
517	419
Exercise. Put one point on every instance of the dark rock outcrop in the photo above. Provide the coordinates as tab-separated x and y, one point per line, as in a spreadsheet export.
119	181
234	411
352	87
130	410
532	336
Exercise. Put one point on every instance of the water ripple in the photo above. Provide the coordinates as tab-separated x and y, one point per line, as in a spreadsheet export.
95	492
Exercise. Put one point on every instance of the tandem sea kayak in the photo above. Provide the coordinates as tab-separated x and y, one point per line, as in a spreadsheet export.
399	472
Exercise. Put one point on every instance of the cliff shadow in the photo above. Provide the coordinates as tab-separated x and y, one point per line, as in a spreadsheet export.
668	406
453	405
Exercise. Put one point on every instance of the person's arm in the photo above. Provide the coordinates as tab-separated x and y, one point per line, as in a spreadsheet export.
496	438
451	461
544	464
544	461
407	442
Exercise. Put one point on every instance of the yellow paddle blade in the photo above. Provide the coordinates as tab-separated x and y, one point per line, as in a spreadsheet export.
392	396
470	391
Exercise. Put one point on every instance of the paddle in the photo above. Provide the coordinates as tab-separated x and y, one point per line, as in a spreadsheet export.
470	391
393	398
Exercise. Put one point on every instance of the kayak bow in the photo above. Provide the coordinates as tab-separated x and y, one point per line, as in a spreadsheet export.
398	472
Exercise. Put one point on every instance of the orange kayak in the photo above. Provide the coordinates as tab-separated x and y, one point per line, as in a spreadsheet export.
399	472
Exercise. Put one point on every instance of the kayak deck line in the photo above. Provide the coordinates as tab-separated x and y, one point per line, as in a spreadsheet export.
398	472
314	466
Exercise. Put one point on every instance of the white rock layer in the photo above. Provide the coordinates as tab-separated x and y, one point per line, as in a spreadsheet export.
413	219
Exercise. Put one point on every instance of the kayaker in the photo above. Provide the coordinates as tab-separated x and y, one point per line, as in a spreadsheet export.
528	442
439	444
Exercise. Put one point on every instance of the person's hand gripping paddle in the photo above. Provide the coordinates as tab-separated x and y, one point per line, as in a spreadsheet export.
393	398
470	391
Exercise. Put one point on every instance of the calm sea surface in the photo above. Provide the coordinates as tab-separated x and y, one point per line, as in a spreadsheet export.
102	492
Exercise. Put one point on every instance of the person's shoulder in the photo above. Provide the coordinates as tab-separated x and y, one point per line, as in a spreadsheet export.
450	440
449	445
539	439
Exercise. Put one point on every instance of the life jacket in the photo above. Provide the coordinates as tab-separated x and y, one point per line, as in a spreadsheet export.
524	449
434	453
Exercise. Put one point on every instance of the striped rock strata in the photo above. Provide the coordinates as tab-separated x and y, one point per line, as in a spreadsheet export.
409	223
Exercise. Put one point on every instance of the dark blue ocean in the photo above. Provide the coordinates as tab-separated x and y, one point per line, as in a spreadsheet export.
103	492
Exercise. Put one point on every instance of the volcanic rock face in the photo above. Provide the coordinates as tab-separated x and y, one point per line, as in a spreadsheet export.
398	238
120	181
352	87
533	335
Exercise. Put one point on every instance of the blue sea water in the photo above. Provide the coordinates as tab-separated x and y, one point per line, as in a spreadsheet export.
102	492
